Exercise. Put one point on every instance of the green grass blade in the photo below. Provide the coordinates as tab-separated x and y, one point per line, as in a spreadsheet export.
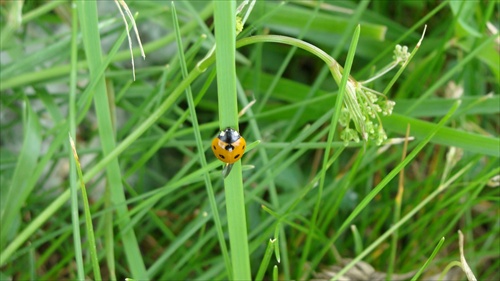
333	125
199	146
397	213
109	238
11	23
43	9
15	196
265	260
358	241
225	26
429	260
279	229
88	23
445	136
32	227
75	217
88	218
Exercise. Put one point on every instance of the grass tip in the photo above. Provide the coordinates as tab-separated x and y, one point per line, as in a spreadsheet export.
422	37
465	267
73	147
253	145
244	110
494	181
247	167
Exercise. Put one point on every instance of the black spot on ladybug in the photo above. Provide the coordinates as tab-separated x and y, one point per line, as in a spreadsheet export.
222	156
215	148
243	147
236	156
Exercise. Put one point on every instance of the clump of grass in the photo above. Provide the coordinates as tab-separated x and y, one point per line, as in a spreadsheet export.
158	205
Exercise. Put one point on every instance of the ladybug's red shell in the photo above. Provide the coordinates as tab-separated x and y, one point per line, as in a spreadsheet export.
228	146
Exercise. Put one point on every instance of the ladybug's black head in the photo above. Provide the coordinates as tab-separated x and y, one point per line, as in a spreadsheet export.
229	135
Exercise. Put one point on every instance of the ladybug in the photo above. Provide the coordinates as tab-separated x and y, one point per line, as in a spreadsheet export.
228	146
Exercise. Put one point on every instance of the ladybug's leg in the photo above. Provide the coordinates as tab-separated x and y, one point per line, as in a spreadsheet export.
226	170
